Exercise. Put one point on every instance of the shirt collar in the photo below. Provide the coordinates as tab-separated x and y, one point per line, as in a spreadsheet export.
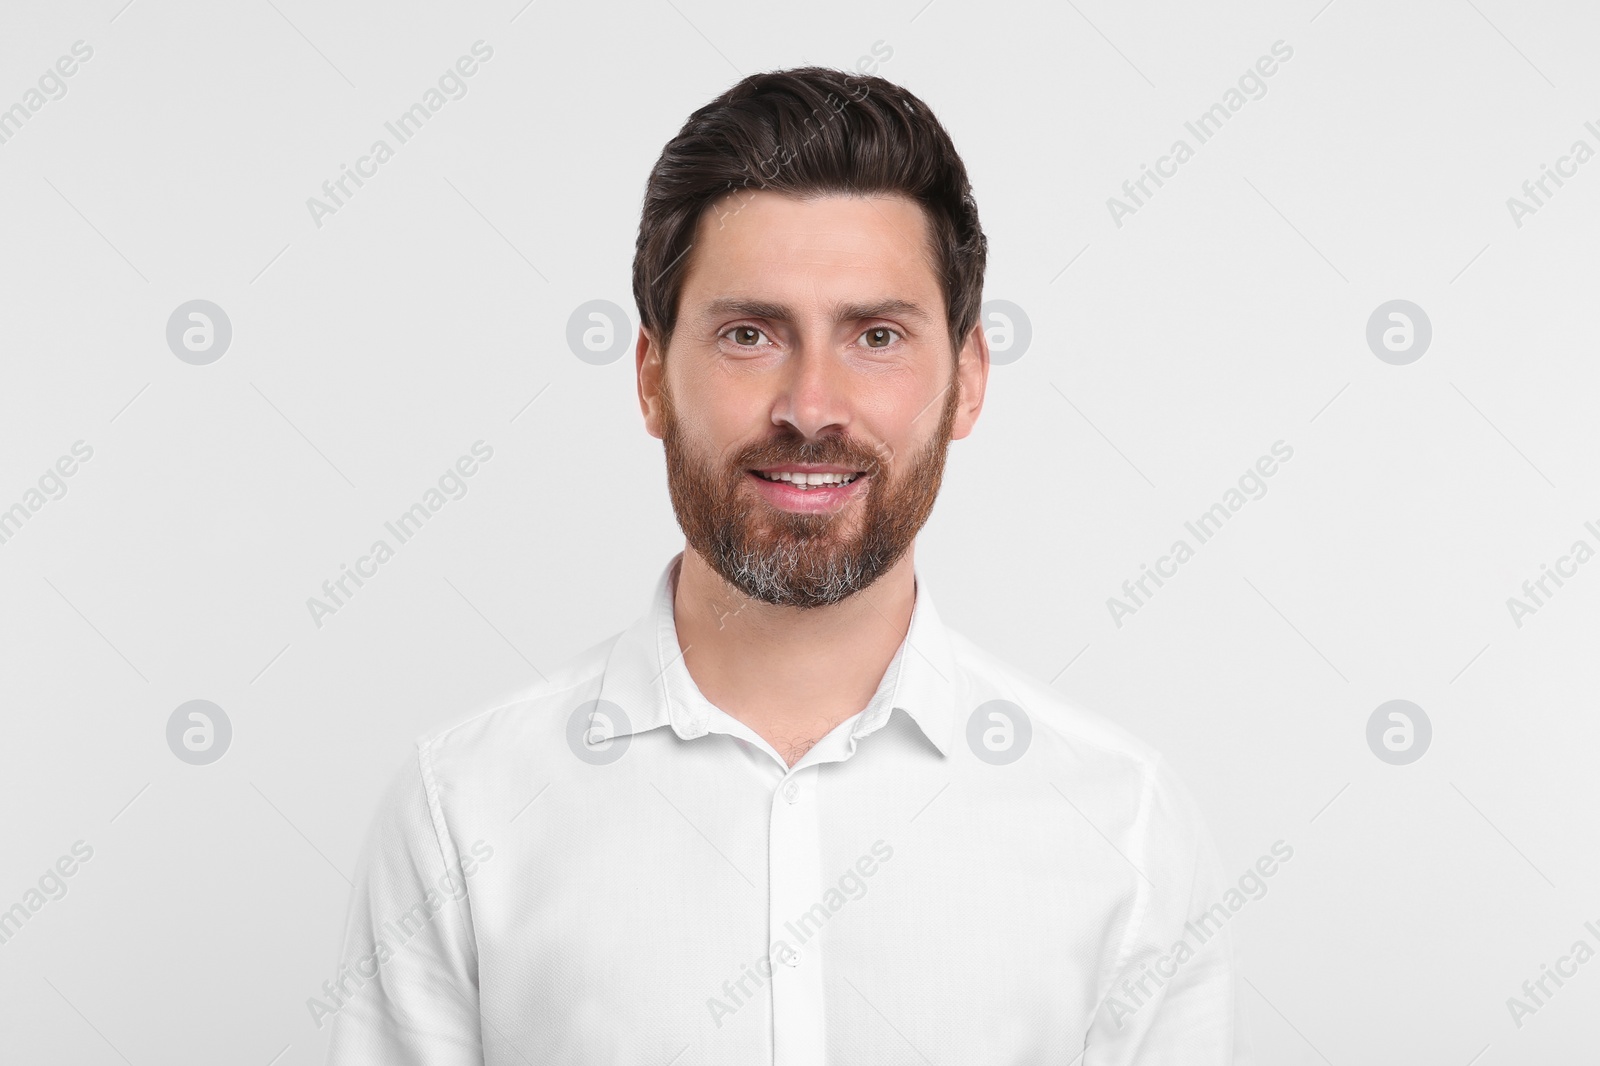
647	680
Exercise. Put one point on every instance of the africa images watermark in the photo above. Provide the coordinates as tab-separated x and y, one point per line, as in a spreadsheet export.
1536	992
408	524
52	86
1202	528
1204	127
52	485
1566	566
1578	154
52	886
852	885
1250	886
401	930
452	85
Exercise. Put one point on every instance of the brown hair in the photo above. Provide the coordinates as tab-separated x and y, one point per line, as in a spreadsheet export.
808	131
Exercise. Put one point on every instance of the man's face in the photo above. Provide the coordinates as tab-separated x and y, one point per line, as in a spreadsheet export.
811	345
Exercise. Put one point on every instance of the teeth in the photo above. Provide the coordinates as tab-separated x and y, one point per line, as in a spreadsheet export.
808	481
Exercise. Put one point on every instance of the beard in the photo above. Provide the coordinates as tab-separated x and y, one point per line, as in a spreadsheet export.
791	559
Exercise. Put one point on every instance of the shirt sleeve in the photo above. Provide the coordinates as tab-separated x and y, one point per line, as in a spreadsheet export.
406	990
1172	994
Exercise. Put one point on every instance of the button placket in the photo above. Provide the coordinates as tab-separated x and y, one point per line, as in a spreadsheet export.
795	862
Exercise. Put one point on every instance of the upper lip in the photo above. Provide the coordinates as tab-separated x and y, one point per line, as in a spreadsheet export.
806	468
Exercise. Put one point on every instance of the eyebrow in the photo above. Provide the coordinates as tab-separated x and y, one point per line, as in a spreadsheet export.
889	308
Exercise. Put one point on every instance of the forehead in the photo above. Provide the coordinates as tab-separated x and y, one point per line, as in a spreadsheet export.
829	249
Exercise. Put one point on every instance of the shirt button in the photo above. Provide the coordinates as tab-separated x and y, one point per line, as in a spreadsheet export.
791	791
787	955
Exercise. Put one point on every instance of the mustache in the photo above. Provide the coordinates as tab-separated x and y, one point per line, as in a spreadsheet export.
826	451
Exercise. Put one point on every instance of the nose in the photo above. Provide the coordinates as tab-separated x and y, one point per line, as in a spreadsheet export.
815	397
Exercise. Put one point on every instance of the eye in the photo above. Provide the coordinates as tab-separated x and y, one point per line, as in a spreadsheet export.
745	336
880	336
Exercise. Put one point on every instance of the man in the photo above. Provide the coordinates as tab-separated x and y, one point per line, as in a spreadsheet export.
787	817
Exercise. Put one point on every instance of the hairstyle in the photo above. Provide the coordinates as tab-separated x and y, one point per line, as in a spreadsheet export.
808	131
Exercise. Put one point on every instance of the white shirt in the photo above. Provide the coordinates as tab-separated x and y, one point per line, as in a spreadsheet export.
942	878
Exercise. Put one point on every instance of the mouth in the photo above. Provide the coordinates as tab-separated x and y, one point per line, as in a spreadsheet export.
808	489
808	480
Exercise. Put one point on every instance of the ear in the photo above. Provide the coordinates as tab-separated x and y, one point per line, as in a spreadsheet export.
972	376
648	369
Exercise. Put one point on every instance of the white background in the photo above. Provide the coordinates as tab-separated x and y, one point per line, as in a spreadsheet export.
369	353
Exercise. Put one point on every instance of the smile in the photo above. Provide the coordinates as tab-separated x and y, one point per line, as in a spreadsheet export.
806	481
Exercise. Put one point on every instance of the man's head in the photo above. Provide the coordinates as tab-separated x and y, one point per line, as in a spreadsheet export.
808	274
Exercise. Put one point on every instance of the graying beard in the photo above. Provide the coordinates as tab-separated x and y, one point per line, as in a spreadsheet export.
777	577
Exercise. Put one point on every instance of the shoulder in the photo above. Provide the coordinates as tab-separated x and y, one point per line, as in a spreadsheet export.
513	736
1113	776
1091	734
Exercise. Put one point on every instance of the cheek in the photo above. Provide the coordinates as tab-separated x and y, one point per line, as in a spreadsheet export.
721	413
901	423
720	434
709	436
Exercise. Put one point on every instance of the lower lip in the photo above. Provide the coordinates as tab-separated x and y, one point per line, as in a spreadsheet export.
822	498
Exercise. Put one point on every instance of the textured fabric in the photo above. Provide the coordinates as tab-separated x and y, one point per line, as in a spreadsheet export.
612	870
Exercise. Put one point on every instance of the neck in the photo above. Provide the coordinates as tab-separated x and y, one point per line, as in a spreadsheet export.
788	673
